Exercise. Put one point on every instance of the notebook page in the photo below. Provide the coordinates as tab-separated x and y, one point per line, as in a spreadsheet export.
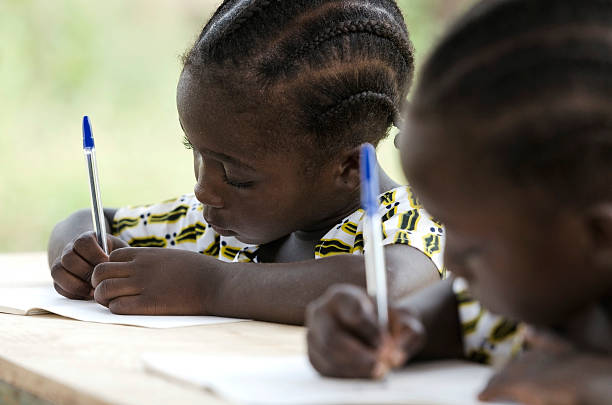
19	300
291	380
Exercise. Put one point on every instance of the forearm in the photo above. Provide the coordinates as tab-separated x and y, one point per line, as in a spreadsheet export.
436	307
280	292
68	229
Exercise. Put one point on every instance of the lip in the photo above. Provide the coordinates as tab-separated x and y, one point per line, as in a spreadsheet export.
223	232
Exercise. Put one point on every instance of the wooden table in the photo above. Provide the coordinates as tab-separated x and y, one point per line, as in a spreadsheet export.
47	358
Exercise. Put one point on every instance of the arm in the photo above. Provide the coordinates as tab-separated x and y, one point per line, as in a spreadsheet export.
280	292
170	281
436	308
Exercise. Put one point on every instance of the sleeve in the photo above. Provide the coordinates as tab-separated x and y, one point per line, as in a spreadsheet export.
176	223
405	222
487	338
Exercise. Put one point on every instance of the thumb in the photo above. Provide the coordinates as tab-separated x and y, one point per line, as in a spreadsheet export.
115	243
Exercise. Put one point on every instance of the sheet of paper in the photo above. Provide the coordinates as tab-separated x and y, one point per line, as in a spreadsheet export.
20	300
291	380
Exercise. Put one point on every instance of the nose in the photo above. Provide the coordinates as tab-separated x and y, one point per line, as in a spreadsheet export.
206	189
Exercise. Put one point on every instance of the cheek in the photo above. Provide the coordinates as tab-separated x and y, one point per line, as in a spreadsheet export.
526	281
267	214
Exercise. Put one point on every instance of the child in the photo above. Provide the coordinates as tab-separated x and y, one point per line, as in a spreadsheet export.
514	108
275	99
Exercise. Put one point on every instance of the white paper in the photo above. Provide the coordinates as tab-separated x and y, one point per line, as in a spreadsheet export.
31	300
291	380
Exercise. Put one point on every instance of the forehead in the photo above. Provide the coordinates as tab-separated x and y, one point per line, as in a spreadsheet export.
238	123
217	112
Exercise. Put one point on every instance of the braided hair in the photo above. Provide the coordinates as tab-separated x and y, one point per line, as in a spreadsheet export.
338	70
530	82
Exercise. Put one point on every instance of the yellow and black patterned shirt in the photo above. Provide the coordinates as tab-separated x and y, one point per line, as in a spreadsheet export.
487	338
179	224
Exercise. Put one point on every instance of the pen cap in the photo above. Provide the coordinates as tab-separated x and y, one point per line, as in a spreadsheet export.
88	141
369	179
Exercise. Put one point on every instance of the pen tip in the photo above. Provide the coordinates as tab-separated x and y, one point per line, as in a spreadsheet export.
88	141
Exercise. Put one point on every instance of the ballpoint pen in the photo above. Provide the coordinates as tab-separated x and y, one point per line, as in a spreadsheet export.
376	277
97	212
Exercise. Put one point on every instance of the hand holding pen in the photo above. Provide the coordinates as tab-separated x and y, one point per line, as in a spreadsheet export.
354	334
72	270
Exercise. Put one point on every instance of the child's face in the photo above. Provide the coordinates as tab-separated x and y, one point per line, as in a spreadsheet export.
258	196
523	255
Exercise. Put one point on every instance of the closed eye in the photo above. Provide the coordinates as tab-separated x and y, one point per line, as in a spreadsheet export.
238	184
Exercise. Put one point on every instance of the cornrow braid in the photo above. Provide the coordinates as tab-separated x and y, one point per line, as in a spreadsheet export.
363	98
375	27
529	81
250	11
338	71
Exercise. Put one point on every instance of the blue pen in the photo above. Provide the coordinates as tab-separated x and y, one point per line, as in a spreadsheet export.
97	212
376	276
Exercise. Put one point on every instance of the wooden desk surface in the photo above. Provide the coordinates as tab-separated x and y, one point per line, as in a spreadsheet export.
70	362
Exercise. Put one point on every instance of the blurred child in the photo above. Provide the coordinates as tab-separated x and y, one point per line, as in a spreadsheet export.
514	107
275	99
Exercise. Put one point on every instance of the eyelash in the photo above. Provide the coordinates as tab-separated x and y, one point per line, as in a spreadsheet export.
186	143
227	181
246	184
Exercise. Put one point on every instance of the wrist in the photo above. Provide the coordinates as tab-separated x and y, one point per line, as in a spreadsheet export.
213	278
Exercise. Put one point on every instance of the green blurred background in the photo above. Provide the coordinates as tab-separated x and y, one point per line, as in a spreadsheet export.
117	61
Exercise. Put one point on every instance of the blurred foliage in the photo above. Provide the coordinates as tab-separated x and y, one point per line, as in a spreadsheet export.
117	61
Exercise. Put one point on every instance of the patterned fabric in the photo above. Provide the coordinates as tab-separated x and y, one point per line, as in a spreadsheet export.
179	224
487	338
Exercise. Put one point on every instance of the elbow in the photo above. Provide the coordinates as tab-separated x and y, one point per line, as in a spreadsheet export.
409	272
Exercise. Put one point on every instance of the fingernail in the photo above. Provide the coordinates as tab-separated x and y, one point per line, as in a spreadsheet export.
380	370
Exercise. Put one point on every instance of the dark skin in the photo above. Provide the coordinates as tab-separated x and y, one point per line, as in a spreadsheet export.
511	244
268	198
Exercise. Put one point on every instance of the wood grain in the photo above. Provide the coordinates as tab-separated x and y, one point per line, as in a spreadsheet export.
70	362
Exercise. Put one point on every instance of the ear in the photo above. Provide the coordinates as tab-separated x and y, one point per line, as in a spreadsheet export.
347	170
599	227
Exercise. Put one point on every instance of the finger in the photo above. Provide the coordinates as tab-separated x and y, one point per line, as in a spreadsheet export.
68	295
347	355
408	334
112	288
109	270
76	265
540	339
354	310
115	243
359	361
130	305
88	248
70	284
125	254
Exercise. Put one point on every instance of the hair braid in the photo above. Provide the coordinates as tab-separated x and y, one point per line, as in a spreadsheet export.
302	59
365	97
379	28
529	82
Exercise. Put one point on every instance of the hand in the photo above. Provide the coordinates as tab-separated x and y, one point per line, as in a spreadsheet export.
152	281
72	270
345	340
553	372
